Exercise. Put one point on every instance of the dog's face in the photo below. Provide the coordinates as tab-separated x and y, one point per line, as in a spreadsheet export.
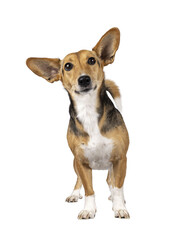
82	71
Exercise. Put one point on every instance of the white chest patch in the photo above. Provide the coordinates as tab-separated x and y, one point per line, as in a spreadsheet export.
99	148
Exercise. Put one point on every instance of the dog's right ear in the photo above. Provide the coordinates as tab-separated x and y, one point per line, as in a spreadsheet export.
48	68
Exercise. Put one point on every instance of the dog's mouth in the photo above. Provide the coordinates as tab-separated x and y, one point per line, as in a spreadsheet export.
85	90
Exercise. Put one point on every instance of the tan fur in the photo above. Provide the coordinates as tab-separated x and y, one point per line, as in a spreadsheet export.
78	184
79	60
85	173
53	70
75	143
112	88
39	67
112	33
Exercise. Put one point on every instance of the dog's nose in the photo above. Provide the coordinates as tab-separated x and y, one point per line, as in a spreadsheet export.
84	81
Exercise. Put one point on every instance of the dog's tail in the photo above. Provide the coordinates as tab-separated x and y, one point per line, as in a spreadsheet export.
113	89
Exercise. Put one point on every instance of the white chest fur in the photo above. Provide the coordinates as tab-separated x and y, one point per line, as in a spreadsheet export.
99	148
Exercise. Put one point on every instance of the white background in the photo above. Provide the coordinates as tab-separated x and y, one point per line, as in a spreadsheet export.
36	165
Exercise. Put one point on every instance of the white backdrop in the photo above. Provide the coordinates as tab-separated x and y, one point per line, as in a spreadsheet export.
36	165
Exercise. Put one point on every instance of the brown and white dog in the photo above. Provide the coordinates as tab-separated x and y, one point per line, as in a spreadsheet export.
97	135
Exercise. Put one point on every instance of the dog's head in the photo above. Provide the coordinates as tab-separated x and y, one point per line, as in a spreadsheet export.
82	71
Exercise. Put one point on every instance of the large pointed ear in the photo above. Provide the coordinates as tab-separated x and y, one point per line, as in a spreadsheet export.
108	45
47	68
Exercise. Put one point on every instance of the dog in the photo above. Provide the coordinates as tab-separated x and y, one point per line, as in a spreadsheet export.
97	135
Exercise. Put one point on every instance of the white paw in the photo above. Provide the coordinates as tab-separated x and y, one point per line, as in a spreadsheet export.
86	214
118	201
75	196
121	213
89	210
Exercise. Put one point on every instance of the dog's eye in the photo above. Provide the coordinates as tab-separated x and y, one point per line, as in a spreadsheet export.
68	66
91	61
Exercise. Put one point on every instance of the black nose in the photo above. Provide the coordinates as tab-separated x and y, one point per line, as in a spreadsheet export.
84	81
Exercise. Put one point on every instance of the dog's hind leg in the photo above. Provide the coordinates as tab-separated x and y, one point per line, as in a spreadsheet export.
109	181
75	196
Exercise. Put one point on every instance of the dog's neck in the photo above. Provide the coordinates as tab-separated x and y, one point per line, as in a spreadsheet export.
89	109
88	103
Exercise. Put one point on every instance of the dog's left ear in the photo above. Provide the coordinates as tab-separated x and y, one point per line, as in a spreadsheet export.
47	68
108	45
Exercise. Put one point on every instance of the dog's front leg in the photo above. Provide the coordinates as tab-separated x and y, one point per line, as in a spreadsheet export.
119	172
85	173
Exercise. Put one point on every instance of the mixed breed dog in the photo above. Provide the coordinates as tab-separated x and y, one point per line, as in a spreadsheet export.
97	135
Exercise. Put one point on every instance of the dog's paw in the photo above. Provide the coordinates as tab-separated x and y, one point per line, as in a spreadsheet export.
121	213
110	198
87	214
73	198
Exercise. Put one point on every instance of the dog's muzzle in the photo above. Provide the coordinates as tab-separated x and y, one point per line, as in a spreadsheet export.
84	81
